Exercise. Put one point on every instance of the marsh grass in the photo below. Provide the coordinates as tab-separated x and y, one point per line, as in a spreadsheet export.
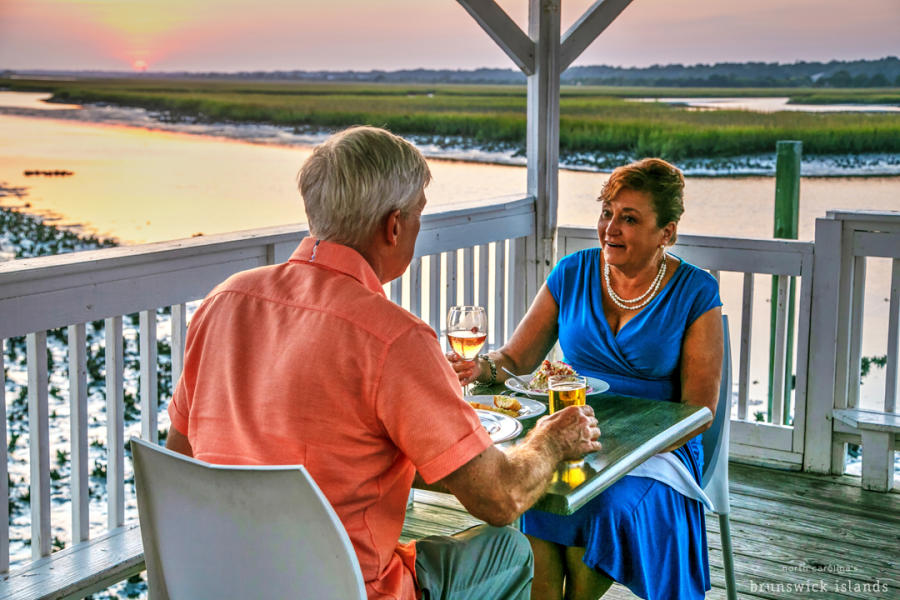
593	119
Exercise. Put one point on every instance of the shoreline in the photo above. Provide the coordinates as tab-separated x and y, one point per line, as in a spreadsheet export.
457	148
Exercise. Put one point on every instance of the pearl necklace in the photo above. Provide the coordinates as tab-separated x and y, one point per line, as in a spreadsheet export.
649	294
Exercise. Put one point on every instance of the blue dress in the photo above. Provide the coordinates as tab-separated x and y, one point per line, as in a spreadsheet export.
639	531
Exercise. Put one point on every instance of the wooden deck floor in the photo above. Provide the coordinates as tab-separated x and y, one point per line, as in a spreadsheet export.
795	536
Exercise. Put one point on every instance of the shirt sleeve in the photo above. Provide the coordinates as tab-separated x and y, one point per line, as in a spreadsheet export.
180	406
419	402
707	294
560	278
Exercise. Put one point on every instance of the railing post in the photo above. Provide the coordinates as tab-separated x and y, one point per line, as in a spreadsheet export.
4	471
823	340
787	208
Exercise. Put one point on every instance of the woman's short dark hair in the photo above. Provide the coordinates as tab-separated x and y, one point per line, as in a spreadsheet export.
654	176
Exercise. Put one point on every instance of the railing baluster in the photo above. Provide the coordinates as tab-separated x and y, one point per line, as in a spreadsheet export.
179	332
484	267
78	428
893	345
4	470
483	297
149	368
450	285
746	335
517	268
499	293
415	287
856	322
468	276
39	443
778	379
434	292
397	291
115	423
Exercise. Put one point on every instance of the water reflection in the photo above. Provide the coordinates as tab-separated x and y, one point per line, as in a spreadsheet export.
766	105
32	100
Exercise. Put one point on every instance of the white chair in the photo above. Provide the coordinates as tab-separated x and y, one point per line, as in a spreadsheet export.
213	531
714	479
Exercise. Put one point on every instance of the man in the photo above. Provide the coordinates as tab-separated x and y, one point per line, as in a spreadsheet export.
309	363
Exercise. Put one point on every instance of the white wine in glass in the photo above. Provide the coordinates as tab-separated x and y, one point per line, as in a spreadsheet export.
467	331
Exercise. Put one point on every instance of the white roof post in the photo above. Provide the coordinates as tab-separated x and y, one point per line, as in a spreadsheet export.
542	57
543	137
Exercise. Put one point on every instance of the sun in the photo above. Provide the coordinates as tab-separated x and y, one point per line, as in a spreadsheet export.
139	65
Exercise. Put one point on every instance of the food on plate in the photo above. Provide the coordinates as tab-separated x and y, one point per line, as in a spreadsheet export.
548	369
508	402
505	405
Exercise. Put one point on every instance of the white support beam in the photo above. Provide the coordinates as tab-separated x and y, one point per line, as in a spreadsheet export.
587	28
504	31
542	147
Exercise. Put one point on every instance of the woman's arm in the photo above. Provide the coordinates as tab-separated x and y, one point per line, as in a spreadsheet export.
701	366
532	340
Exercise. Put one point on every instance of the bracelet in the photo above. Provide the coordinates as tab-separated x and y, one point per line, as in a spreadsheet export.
492	365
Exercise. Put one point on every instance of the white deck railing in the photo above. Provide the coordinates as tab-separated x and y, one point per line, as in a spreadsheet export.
468	253
846	240
467	249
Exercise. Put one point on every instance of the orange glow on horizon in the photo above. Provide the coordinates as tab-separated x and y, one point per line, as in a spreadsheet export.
139	65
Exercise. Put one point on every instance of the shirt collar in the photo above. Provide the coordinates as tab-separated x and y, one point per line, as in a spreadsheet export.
337	257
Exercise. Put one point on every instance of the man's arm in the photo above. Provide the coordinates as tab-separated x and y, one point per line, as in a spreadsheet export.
178	442
498	486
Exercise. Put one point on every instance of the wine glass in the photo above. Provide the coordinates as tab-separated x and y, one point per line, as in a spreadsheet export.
467	332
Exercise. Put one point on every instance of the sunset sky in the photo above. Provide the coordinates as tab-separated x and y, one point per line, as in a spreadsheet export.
237	35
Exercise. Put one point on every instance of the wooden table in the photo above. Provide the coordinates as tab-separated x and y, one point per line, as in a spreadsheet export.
631	431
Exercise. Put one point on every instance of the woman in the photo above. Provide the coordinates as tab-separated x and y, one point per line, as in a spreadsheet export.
649	324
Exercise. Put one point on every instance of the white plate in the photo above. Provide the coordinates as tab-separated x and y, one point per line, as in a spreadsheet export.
530	407
500	427
595	386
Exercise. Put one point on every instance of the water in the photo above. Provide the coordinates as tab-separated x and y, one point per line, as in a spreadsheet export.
767	105
143	185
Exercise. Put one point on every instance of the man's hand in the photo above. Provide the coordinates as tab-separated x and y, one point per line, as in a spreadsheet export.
573	432
467	370
498	486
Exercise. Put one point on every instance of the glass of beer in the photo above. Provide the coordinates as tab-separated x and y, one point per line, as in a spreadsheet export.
565	391
467	331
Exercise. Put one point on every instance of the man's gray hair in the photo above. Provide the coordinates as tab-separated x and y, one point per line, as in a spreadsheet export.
356	178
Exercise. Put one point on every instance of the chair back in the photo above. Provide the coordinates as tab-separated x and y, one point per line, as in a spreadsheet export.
714	480
212	531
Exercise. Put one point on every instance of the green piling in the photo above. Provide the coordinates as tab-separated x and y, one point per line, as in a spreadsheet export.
787	208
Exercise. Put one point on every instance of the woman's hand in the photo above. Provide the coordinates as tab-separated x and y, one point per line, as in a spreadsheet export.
467	370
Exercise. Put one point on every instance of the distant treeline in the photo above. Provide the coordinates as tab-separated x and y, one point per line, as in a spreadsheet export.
884	72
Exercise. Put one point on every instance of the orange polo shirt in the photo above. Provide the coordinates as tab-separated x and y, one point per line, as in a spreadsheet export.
308	362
